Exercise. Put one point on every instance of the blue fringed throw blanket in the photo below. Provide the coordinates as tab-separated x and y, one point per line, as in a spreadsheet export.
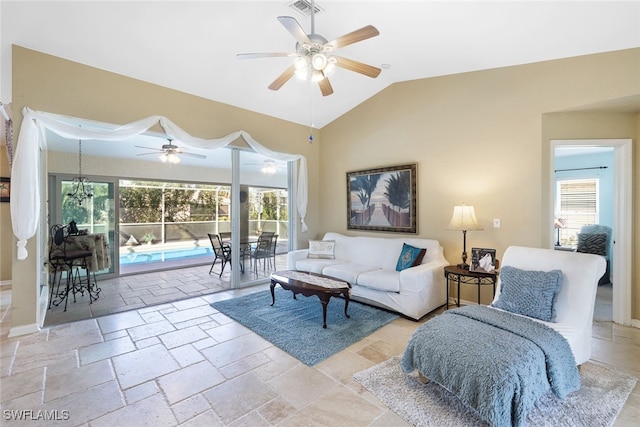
497	363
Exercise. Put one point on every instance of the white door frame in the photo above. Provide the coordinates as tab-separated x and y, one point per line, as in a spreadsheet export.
622	216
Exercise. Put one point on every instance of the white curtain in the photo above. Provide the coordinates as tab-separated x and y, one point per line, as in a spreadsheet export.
25	182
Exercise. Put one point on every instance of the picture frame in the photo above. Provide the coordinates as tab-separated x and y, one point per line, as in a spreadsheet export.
5	189
483	260
383	199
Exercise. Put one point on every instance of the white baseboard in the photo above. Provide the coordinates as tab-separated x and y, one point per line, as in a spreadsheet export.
5	283
23	330
635	323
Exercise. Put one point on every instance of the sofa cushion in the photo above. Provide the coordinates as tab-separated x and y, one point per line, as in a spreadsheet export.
315	265
379	251
410	256
347	271
323	249
529	292
382	280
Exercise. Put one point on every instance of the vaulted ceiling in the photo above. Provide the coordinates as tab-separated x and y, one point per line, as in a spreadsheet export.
192	46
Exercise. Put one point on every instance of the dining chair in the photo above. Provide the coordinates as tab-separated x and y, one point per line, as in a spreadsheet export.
262	251
274	245
221	250
65	259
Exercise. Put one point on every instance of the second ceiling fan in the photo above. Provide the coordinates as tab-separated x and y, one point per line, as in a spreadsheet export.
170	152
314	58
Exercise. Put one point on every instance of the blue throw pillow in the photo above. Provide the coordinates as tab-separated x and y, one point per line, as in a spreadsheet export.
410	256
530	293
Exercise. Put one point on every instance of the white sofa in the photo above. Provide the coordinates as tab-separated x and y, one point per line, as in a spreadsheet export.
369	265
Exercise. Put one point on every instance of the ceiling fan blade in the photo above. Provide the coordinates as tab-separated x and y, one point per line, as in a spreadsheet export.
358	67
283	78
325	86
295	29
354	37
262	55
146	154
197	156
148	148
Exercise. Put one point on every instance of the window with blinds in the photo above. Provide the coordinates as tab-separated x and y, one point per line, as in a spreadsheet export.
576	205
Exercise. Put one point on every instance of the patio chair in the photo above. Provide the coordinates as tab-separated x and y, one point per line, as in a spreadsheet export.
274	244
221	251
263	251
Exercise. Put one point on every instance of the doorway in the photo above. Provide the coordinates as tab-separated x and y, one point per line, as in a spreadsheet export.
621	217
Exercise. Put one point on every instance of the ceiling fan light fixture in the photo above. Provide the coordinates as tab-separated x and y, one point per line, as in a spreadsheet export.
317	76
331	65
269	167
173	158
163	157
300	63
319	61
302	67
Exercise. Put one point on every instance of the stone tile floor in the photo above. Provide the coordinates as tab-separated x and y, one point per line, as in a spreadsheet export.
135	291
184	363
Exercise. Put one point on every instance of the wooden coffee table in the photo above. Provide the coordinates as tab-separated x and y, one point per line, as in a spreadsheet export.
307	284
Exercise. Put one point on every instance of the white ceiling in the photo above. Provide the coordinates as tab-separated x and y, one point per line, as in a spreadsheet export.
191	46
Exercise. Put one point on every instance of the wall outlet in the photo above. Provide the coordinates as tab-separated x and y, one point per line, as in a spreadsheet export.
496	222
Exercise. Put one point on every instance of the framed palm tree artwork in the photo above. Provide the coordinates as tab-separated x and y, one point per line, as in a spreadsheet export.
383	199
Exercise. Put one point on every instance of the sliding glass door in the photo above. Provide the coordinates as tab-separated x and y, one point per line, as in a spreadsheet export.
92	215
156	224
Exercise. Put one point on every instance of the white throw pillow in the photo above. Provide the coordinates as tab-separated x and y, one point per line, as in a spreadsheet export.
321	249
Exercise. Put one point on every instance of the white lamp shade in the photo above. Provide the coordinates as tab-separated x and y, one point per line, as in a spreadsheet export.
464	218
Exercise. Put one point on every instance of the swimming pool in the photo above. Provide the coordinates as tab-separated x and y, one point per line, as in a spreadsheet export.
145	257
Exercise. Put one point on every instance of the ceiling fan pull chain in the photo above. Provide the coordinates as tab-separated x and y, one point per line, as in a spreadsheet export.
311	103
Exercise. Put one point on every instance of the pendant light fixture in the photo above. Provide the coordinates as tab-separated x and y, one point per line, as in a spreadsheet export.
81	189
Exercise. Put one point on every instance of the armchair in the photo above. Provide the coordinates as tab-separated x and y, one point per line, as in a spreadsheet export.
592	241
529	342
575	301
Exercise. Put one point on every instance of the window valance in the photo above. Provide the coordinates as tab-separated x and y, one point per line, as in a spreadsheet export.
25	180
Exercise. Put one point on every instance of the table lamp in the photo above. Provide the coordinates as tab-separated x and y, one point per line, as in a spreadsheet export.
558	223
464	219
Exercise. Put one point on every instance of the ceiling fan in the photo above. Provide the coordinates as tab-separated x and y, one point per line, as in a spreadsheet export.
314	58
169	153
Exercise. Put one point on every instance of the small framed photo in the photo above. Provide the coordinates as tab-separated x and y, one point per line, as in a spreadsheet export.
483	260
5	189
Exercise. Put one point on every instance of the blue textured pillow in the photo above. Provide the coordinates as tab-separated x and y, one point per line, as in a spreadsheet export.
530	293
410	256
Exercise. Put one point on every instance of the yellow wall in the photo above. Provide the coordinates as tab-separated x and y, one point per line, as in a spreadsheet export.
478	139
6	242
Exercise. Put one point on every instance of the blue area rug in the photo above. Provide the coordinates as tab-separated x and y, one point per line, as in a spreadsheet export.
295	325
